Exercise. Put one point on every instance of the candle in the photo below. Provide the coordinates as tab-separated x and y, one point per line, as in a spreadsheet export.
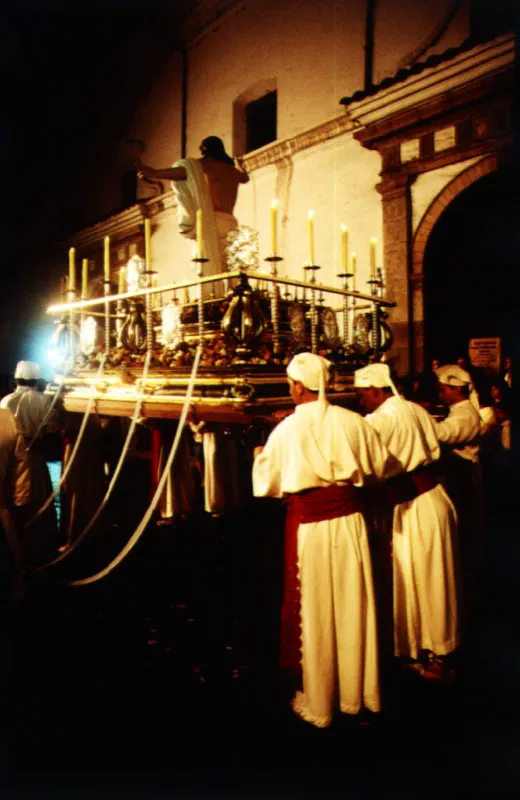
147	243
107	258
122	280
274	226
352	269
199	233
344	248
310	224
373	258
72	269
84	278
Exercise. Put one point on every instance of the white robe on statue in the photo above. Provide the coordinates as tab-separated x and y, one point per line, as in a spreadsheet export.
338	614
424	546
192	194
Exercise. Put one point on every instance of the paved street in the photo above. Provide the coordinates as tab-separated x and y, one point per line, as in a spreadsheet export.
163	676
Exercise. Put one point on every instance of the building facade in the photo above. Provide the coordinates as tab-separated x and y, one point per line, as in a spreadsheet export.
375	116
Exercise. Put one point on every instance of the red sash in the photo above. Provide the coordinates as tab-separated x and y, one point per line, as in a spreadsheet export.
409	485
312	505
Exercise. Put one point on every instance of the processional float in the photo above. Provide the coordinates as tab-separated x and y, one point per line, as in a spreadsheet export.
150	352
248	324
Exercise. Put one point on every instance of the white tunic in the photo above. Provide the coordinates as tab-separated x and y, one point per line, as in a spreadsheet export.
461	430
14	464
424	542
30	407
338	615
463	479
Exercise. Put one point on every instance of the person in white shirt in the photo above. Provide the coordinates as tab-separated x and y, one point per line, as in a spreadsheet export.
319	459
424	527
15	486
460	435
39	539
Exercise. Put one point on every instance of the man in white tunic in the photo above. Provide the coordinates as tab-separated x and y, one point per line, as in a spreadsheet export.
424	526
39	539
460	435
319	458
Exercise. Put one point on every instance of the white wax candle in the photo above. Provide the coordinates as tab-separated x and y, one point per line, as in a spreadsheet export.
373	258
344	248
84	278
148	243
72	269
310	225
199	233
107	258
274	226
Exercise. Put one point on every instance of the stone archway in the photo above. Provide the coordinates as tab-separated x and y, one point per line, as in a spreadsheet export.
469	266
487	165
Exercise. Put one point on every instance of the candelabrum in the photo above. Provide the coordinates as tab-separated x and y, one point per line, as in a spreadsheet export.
312	268
275	316
199	262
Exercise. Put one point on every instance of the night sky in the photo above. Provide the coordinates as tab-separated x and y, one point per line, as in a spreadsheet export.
57	110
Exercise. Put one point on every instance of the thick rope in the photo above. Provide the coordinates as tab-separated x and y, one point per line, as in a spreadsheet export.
115	476
86	415
160	488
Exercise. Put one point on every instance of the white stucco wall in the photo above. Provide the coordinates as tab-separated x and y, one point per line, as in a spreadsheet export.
341	192
314	50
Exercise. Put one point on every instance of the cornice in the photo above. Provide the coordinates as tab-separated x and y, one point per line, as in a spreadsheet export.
281	150
125	224
479	62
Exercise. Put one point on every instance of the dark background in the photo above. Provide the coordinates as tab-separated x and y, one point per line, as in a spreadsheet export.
70	73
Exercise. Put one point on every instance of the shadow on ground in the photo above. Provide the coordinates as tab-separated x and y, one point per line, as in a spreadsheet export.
163	676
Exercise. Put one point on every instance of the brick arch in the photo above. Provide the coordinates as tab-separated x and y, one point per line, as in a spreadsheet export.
472	174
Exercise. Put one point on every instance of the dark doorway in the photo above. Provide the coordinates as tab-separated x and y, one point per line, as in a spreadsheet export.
470	267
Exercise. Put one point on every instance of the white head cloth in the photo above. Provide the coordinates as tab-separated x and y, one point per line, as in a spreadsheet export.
313	372
453	375
376	375
27	371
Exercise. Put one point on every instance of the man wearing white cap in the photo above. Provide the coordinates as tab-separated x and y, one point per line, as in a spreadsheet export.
30	407
319	458
424	526
460	433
